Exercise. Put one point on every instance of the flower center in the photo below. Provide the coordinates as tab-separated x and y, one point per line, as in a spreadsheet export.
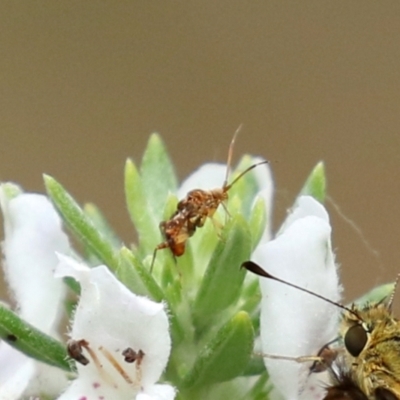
107	364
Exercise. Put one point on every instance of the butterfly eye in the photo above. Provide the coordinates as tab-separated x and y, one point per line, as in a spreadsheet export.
384	394
355	340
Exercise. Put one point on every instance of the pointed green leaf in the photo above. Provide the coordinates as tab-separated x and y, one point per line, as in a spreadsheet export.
184	266
202	245
158	175
29	340
226	355
11	190
73	285
173	291
144	221
223	279
251	296
102	225
169	270
376	295
132	273
80	224
315	185
258	221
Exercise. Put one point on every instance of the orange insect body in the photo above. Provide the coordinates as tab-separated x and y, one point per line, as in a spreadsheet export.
176	232
202	204
193	211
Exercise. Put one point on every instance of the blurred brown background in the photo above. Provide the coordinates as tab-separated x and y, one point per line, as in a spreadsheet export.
83	84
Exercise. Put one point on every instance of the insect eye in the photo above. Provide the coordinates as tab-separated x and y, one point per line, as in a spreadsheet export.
355	340
384	394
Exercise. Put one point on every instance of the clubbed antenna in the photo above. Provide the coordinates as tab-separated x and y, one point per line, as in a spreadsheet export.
256	269
391	298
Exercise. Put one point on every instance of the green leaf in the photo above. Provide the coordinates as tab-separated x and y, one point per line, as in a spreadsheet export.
132	273
202	245
221	285
11	190
255	366
258	221
29	340
173	291
72	284
144	221
80	223
225	356
376	295
158	175
251	297
102	225
315	185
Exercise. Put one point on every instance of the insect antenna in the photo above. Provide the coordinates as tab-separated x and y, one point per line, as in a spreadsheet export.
227	187
230	154
391	298
256	269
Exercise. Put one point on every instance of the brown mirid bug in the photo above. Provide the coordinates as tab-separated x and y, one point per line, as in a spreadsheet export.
193	211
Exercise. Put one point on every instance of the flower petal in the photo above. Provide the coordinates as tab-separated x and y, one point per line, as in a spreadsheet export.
82	390
158	392
305	206
111	319
294	323
32	236
16	372
21	375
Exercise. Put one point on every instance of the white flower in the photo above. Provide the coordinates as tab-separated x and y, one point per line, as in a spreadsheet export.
33	234
294	323
113	320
